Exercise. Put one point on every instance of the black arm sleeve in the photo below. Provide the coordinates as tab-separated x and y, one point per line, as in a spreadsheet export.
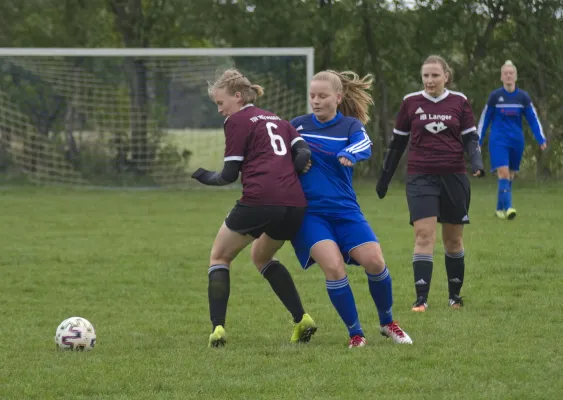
229	174
393	156
301	154
471	145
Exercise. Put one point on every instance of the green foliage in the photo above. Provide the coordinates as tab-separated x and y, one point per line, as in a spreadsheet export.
388	39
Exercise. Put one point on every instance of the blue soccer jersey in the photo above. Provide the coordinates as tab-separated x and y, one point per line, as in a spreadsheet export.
328	184
333	212
505	109
333	215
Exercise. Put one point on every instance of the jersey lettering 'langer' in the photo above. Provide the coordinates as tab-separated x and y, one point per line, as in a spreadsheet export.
263	141
435	126
328	184
505	110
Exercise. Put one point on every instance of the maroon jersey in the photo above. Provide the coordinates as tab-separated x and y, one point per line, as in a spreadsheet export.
263	141
436	125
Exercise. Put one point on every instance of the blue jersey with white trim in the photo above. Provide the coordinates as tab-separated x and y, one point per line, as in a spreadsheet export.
328	184
505	109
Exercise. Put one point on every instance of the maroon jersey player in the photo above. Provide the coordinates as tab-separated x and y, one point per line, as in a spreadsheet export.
269	154
262	142
441	128
436	127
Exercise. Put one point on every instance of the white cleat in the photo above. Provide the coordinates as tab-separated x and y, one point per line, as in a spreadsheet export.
357	341
394	331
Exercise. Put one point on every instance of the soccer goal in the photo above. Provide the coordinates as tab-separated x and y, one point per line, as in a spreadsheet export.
129	117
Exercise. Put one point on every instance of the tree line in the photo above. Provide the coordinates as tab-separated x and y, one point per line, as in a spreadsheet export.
386	38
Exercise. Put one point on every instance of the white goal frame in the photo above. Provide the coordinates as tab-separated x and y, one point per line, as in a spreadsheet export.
308	52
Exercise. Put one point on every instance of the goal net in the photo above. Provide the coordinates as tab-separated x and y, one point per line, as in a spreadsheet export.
129	117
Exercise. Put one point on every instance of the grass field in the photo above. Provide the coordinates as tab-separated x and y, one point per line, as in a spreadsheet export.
207	146
134	264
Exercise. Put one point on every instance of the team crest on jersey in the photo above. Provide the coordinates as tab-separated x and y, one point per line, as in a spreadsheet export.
435	127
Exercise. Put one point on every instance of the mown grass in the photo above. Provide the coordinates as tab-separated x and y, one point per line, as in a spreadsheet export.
134	264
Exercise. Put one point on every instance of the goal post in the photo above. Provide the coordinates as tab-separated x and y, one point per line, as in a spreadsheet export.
123	117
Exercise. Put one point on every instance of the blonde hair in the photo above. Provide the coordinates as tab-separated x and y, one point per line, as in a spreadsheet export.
435	59
355	98
509	63
234	81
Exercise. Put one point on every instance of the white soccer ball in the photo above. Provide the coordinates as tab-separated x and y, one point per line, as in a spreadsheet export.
75	334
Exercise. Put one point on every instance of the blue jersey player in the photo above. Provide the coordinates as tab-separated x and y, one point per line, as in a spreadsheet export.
504	109
334	231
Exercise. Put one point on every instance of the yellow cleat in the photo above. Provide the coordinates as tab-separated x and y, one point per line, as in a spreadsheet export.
510	213
303	330
218	338
500	214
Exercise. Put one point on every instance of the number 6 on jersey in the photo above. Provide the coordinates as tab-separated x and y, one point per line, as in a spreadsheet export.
275	139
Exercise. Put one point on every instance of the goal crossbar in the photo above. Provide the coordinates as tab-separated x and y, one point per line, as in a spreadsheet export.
160	52
308	52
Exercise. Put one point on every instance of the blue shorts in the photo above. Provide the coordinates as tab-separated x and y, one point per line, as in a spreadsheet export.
348	231
506	156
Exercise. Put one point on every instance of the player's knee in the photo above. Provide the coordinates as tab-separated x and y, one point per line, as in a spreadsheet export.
256	257
373	263
220	257
453	245
260	260
503	173
334	270
261	254
424	238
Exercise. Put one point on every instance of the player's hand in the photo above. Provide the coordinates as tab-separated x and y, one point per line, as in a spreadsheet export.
381	189
543	146
346	162
307	167
479	173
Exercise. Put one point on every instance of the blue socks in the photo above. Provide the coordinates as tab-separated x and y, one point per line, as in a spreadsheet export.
382	293
504	194
500	200
342	298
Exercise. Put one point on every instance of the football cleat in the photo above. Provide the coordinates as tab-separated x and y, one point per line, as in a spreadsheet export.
420	305
500	214
218	338
357	341
303	330
510	213
394	331
456	301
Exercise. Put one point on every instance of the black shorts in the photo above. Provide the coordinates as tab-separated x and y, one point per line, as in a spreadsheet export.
444	196
278	222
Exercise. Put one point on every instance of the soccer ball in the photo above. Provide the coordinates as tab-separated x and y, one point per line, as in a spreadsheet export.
75	334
